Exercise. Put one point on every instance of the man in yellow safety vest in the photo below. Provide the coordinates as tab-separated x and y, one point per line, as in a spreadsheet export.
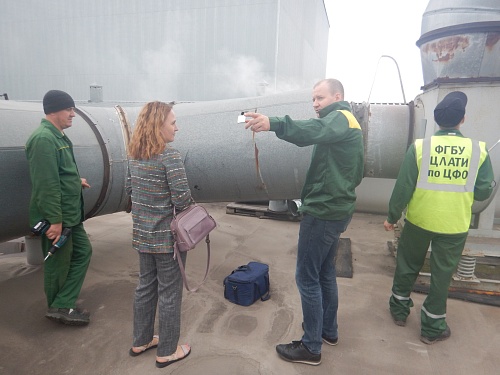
439	180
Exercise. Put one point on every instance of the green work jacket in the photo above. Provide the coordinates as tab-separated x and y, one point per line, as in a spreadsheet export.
56	185
337	160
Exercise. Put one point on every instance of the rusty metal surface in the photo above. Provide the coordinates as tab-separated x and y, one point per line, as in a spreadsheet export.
464	57
444	49
460	41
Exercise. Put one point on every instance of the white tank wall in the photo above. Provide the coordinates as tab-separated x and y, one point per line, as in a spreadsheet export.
155	49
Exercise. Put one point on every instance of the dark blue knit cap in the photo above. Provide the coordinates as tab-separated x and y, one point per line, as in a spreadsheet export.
56	100
451	110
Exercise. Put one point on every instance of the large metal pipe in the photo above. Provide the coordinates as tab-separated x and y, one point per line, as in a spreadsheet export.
220	155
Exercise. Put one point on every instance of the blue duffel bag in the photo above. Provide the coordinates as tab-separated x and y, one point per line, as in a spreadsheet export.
246	284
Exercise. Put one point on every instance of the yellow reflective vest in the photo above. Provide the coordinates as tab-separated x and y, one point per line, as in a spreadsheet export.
444	193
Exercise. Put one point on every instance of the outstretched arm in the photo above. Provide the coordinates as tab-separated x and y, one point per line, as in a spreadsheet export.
258	123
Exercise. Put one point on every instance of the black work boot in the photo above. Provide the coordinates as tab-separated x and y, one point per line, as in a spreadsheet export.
398	321
72	317
441	337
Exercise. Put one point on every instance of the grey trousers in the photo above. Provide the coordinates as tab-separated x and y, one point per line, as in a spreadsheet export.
160	284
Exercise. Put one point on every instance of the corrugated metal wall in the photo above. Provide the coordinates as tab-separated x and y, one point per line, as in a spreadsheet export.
141	50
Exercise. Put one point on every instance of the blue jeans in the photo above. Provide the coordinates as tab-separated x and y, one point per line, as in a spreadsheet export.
317	279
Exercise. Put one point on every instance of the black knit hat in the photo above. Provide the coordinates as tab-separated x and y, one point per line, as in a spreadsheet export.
56	100
451	110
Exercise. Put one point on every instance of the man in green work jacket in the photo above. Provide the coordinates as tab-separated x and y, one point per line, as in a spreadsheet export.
57	197
328	201
439	180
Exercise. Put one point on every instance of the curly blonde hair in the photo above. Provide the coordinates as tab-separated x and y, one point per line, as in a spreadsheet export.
146	140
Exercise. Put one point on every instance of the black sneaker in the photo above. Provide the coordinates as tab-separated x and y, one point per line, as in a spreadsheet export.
331	342
327	340
298	353
441	337
72	317
398	321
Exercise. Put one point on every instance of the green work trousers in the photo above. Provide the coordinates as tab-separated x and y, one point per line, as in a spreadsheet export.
446	250
64	272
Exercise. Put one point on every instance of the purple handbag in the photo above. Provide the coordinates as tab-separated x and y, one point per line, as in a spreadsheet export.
190	227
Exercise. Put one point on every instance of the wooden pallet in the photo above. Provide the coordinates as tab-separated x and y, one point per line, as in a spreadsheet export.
260	211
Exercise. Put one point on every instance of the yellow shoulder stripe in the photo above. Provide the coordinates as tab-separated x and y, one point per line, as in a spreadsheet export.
353	123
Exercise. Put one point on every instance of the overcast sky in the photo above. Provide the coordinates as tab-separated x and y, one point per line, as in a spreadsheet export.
361	31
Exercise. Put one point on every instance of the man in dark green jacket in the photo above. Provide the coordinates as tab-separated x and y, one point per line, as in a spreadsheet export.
328	200
57	197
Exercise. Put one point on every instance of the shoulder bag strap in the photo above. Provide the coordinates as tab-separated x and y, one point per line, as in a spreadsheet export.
181	266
